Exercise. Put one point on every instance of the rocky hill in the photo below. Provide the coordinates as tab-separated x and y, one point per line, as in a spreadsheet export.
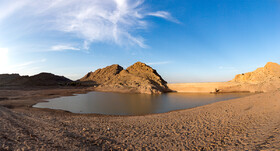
47	79
101	76
12	79
263	79
42	79
138	78
270	72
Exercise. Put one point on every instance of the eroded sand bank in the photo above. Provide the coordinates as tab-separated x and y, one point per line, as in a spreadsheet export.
251	122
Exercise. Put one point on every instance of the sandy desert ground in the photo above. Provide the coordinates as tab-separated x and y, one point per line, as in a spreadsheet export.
200	87
249	123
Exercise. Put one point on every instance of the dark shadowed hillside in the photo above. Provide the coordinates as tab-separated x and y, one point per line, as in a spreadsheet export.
42	79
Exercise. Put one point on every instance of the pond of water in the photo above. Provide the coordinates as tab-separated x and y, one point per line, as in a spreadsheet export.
133	104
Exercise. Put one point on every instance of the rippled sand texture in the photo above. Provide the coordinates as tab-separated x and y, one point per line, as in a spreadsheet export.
251	122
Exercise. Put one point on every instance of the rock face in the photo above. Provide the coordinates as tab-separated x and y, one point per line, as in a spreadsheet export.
101	76
42	79
263	79
138	78
12	79
47	79
270	72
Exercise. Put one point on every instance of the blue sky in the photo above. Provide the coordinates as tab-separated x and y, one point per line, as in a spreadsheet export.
185	40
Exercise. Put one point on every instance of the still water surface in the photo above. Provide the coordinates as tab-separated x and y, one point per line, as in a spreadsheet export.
132	104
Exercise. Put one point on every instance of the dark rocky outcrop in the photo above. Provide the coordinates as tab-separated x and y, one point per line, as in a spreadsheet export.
12	79
42	79
47	79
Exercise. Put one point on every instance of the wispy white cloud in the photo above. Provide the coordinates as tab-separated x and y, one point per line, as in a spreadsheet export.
25	64
110	21
63	47
165	15
158	63
7	67
8	8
